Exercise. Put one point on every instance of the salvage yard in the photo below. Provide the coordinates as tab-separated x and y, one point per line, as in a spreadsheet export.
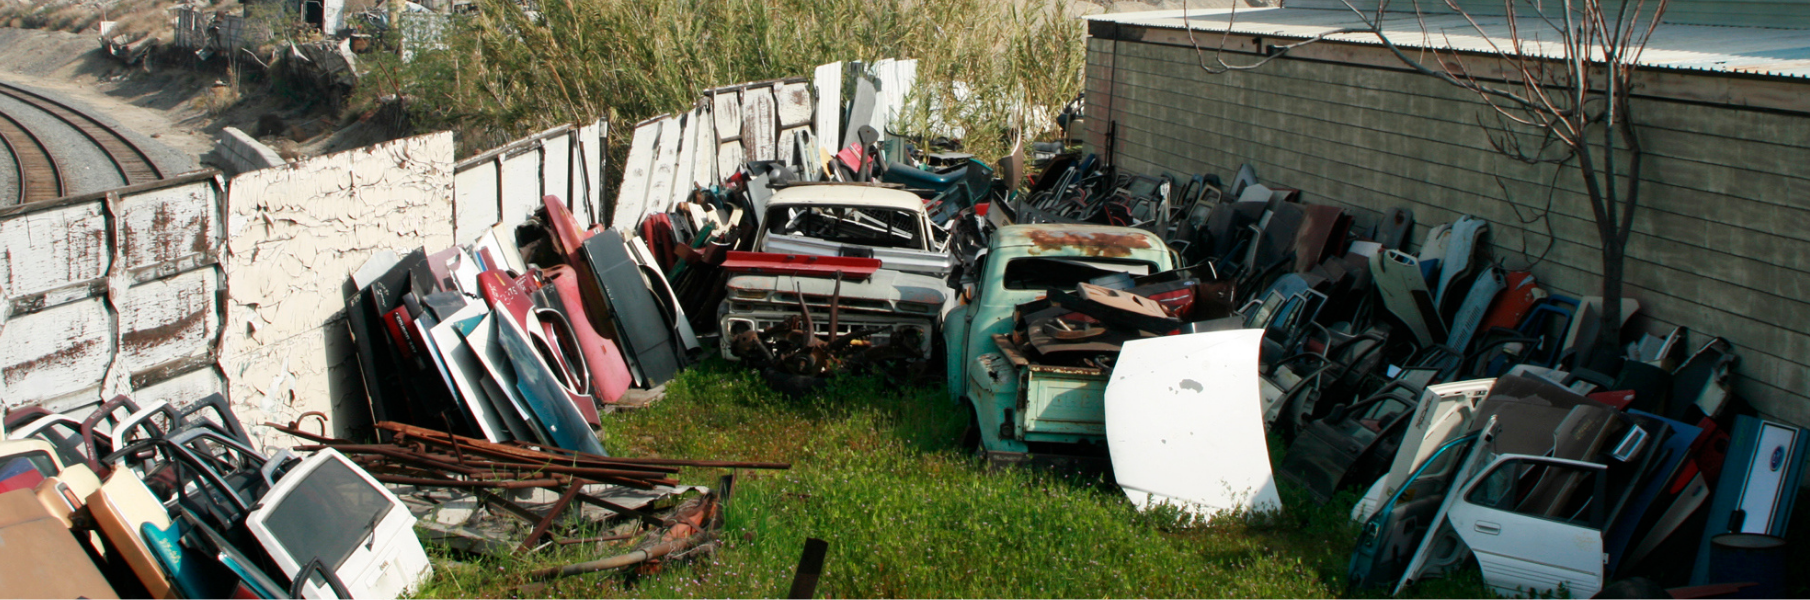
878	472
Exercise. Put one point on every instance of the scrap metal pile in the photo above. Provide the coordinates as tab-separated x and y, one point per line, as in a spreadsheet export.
798	227
1474	410
156	502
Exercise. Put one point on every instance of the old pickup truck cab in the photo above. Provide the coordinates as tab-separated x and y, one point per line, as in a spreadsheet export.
1016	404
855	220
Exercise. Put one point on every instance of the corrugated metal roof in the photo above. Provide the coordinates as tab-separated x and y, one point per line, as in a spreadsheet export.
1751	50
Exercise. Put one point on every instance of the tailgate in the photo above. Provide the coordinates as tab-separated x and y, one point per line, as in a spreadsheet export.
1064	401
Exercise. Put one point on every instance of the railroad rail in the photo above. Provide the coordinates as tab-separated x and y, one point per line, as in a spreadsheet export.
133	165
39	175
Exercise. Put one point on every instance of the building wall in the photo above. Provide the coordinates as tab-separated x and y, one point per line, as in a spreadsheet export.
1719	246
1787	14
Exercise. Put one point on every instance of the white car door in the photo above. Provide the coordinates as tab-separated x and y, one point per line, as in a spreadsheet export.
329	509
1529	530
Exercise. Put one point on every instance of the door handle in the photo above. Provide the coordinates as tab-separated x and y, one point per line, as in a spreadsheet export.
1487	527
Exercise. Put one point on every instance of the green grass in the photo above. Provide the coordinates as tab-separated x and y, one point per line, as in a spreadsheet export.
877	472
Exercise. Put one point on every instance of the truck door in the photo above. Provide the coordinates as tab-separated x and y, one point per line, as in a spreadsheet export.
1535	523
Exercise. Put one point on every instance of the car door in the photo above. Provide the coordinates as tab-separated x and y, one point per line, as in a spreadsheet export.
1526	538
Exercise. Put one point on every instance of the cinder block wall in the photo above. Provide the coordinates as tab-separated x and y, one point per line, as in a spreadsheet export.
1720	246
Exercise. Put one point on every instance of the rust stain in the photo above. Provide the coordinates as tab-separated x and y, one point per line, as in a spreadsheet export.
1106	245
16	373
166	236
161	334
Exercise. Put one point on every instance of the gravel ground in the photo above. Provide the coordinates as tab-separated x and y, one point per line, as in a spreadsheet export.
169	161
9	178
85	168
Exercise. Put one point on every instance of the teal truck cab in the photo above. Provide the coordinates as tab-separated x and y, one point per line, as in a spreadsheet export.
1015	402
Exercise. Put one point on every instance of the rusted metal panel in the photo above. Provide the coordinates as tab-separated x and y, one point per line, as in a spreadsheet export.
788	149
169	230
54	250
181	389
704	169
729	156
686	165
1103	244
726	109
794	104
521	185
586	184
666	161
556	169
59	352
631	196
759	123
168	320
475	205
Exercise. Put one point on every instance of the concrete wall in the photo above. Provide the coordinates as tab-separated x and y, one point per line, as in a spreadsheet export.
112	293
296	234
243	152
1719	244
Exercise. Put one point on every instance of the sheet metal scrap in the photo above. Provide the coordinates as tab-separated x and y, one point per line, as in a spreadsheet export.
425	458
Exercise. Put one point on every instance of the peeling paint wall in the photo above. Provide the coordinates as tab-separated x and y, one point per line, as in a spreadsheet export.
295	235
197	285
112	293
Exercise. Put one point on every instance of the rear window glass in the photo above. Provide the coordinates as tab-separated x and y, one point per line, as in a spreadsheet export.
861	226
1034	273
328	515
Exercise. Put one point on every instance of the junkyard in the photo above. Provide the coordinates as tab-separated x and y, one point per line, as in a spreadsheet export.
1173	299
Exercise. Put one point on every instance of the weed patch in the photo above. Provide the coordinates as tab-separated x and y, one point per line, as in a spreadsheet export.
877	472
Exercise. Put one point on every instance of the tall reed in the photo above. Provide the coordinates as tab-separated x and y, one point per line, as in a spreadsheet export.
510	68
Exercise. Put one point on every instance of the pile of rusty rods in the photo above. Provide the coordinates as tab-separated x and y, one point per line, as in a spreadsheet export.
426	457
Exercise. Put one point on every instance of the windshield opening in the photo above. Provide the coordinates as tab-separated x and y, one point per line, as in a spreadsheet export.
862	226
1037	273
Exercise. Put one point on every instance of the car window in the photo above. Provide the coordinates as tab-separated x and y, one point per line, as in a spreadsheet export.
1052	273
327	515
1558	492
862	226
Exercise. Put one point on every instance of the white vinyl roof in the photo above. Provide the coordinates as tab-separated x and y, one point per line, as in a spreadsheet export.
1747	50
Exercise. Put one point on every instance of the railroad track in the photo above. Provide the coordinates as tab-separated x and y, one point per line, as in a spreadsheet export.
133	165
39	176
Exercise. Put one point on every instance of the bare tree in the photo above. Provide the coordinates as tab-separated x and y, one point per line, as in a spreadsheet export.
1561	100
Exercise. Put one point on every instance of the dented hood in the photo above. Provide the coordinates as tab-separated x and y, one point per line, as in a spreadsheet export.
1184	423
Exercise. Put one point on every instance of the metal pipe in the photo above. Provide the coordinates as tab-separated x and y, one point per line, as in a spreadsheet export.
622	560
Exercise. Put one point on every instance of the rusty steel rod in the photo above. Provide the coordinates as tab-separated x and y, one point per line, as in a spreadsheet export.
553	513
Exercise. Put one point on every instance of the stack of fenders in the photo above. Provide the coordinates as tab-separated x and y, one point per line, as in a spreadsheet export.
1475	411
472	341
166	503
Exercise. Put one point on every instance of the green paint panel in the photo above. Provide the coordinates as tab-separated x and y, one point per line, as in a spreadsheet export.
1064	403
